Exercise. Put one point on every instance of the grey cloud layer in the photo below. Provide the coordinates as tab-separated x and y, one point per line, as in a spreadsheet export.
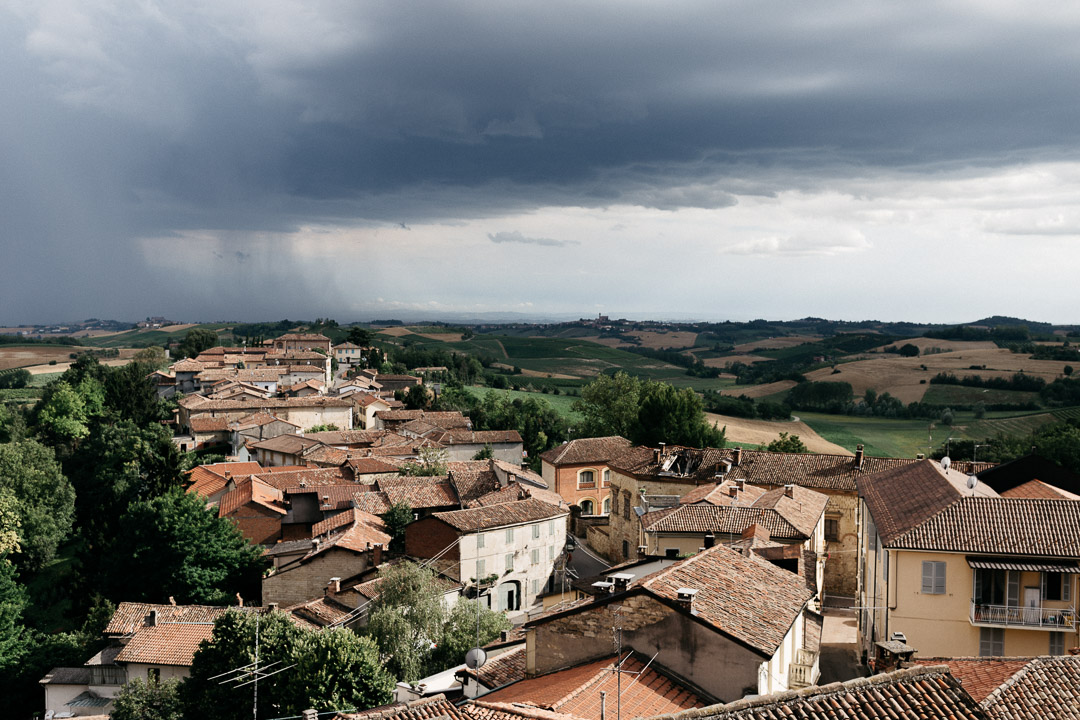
126	119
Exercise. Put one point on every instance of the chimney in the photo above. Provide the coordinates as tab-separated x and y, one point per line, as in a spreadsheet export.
710	540
152	618
315	544
271	607
757	532
789	490
604	588
685	598
858	457
309	715
325	499
920	456
239	600
376	555
736	456
741	484
733	491
504	635
621	581
656	456
334	586
172	600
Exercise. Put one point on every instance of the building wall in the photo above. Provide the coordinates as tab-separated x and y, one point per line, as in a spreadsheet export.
427	537
624	525
507	452
688	648
309	580
168	672
565	479
259	525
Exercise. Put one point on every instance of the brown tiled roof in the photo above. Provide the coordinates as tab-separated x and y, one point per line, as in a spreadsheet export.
268	404
209	424
1047	687
333	497
1038	489
326	454
257	420
717	519
472	479
918	693
186	365
67	676
370	466
922	507
290	444
483	710
320	612
979	676
285	479
335	521
745	597
475	437
576	691
511	493
130	616
420	492
677	464
587	450
309	337
166	644
435	707
209	480
500	670
521	472
366	530
373	502
251	490
494	516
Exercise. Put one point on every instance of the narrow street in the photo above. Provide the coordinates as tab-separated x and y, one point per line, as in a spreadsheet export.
839	647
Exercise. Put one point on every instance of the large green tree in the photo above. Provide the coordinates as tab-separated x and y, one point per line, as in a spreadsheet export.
406	619
13	636
332	669
148	700
460	633
195	341
173	545
44	499
609	406
668	415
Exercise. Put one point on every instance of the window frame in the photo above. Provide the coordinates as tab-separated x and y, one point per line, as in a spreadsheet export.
590	483
992	640
933	582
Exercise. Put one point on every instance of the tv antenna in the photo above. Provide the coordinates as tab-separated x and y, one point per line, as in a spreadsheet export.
251	673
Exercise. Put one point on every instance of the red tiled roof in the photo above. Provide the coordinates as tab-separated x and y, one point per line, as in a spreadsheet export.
922	693
332	497
1047	687
576	691
370	466
979	676
209	424
482	710
320	612
587	450
502	515
251	490
1038	489
209	480
472	479
420	492
130	616
435	707
500	670
166	644
286	478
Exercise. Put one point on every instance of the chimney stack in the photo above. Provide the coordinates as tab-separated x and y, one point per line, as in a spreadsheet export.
733	491
239	600
271	607
685	598
710	540
604	588
736	456
757	532
376	555
152	618
858	457
309	715
334	586
741	484
789	490
621	581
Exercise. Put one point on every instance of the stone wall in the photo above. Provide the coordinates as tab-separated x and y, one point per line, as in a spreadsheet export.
309	580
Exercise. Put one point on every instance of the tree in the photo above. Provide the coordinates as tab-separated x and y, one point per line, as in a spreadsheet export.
174	546
406	619
909	350
360	336
1068	370
62	416
332	669
673	416
396	518
151	358
17	378
9	523
151	700
326	427
197	340
12	602
787	444
460	633
431	462
609	405
45	500
485	453
417	398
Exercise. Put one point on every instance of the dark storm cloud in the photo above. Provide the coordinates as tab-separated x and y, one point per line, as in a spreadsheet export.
125	120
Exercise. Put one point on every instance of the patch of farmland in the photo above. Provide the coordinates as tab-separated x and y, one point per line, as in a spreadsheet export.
760	391
776	343
762	432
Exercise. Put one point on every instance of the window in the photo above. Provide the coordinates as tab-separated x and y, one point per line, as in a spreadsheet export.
933	577
480	570
510	535
1057	643
991	642
551	527
509	561
832	529
586	507
626	549
607	477
607	506
1055	586
586	478
535	556
551	552
536	531
480	540
535	587
626	505
614	503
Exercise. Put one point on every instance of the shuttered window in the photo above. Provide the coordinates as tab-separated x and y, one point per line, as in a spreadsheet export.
991	642
933	577
1057	643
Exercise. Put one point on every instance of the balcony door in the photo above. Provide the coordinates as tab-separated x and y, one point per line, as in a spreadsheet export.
1032	605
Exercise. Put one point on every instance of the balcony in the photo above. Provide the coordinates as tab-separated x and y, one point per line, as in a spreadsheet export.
1033	618
803	672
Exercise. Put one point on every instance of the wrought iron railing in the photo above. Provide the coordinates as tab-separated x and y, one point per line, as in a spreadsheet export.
1031	617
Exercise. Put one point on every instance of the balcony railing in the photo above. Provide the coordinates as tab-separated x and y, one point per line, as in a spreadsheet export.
801	672
1028	617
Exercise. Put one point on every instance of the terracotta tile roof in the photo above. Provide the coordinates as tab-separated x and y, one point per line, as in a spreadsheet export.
252	490
335	521
521	473
307	337
472	479
700	519
209	424
266	405
165	644
576	691
475	437
979	676
370	466
745	597
374	502
186	365
499	670
677	464
587	450
1038	489
420	492
1047	687
923	508
326	455
502	515
320	612
332	497
257	420
364	399
923	693
207	480
483	710
366	530
289	444
511	493
130	616
286	479
435	707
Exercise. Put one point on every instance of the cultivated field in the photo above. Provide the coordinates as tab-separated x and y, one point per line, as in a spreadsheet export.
776	343
729	359
762	432
900	376
660	340
16	356
760	391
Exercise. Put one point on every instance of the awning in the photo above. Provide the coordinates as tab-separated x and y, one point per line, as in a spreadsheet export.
1031	565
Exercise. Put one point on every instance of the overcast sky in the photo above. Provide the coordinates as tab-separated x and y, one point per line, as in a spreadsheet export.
222	159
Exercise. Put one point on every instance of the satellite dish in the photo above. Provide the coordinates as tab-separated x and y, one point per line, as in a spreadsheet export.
972	481
945	463
475	658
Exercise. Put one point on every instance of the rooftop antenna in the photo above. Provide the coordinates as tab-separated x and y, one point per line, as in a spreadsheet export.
251	673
